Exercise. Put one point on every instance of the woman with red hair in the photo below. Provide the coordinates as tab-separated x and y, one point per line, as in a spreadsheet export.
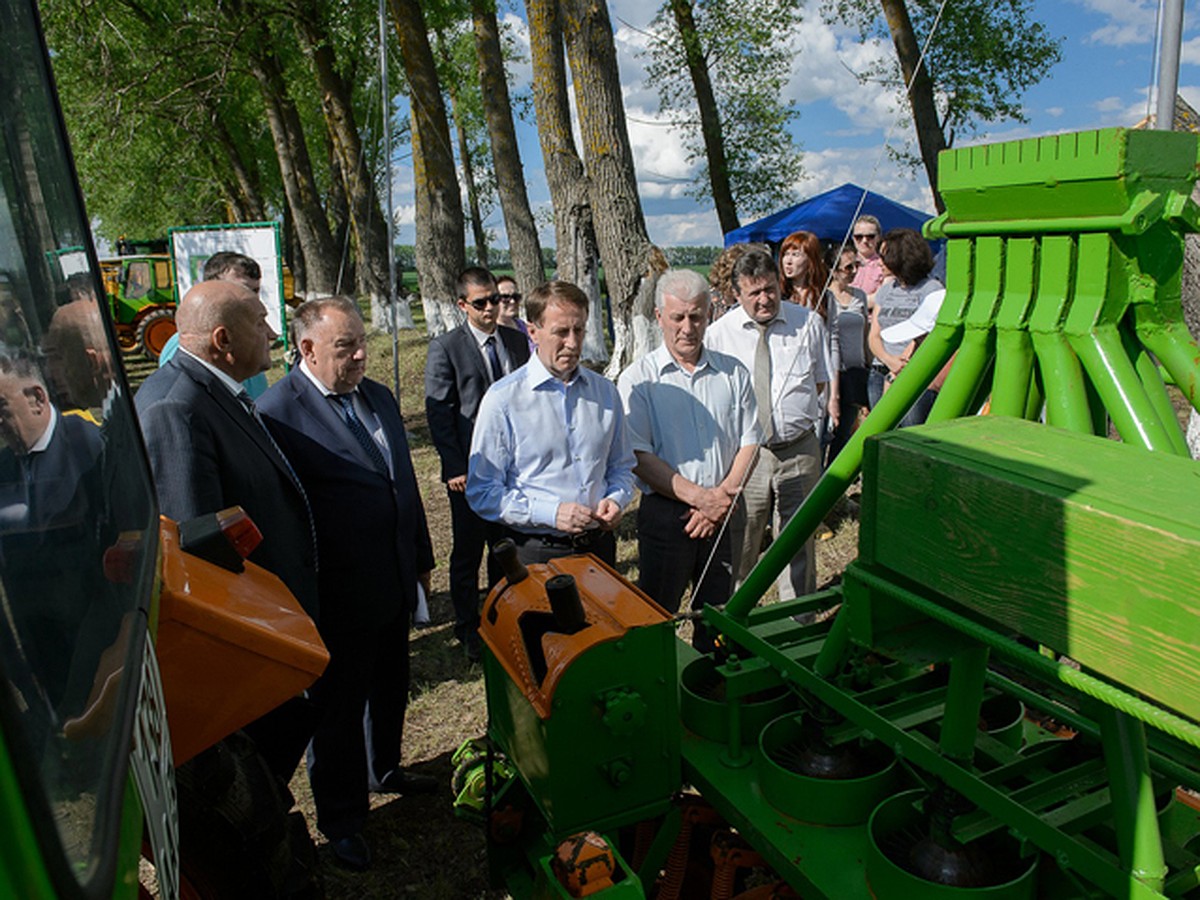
804	279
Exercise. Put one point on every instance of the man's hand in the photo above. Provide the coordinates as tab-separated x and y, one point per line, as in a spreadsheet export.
714	503
608	514
457	484
699	526
574	518
834	409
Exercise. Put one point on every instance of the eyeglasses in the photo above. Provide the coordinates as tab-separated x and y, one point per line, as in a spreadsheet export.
510	298
482	303
864	237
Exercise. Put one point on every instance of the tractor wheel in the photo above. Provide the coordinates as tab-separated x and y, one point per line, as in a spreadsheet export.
237	836
154	330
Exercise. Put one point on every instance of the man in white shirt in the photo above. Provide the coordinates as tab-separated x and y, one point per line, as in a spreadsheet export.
693	423
782	346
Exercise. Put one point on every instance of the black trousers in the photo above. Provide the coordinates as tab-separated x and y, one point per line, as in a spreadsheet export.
670	561
472	536
536	548
361	701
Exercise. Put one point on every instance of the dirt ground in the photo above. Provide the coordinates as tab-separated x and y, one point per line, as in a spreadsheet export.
420	848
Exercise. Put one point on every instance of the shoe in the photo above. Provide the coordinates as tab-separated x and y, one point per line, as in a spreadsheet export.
399	781
352	852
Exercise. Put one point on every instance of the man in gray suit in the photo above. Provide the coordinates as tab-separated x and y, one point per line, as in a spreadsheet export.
209	450
460	367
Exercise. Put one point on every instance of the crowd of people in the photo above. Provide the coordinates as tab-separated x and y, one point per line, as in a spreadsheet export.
724	430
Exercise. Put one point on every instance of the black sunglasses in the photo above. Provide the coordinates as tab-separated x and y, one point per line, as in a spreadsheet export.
482	303
510	298
863	237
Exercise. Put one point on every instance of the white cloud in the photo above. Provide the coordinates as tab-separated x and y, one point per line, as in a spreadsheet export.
520	74
1054	111
1127	21
699	227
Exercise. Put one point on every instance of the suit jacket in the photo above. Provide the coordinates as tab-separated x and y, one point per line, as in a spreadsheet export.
455	381
207	452
371	532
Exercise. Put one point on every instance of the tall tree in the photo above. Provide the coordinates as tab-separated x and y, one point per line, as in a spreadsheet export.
575	234
983	57
728	61
522	233
439	221
631	263
341	120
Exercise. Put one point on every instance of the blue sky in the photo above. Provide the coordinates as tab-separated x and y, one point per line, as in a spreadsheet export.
1102	80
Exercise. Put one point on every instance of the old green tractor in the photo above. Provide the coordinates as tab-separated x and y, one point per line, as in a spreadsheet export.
1000	699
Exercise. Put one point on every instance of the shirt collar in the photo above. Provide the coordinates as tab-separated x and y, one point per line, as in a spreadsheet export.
746	322
663	360
317	383
44	441
231	384
481	336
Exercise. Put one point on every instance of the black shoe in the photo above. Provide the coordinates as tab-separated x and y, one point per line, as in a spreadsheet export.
352	852
398	781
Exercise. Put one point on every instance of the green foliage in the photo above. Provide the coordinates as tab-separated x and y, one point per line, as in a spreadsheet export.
983	57
745	44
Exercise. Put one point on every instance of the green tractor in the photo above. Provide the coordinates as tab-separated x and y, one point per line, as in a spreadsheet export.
141	294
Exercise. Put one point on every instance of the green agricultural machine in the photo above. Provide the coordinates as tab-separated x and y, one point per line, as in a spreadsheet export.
1000	699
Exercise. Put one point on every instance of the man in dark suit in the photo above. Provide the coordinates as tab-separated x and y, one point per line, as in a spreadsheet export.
208	450
344	435
461	365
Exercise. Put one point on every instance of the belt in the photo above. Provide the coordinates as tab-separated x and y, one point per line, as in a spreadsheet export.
880	367
776	446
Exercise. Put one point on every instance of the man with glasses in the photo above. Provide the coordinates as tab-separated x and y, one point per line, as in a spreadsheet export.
870	273
462	364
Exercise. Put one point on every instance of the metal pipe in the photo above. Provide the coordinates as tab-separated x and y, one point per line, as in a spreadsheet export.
1170	38
1176	351
1014	371
1156	391
386	116
965	377
964	694
1135	818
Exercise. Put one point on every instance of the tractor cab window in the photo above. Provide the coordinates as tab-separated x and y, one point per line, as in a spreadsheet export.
78	531
137	280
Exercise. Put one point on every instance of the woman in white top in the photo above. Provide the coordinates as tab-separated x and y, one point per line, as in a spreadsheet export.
803	276
851	326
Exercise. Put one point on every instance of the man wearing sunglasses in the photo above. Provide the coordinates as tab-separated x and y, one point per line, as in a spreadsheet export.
462	364
870	273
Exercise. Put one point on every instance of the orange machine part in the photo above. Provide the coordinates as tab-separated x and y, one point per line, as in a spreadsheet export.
611	606
231	646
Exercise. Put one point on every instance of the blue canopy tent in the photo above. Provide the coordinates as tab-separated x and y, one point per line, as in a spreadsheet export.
829	216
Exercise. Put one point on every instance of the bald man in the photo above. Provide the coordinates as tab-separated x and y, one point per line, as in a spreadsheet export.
207	448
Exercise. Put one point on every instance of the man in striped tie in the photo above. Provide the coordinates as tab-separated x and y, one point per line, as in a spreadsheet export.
345	438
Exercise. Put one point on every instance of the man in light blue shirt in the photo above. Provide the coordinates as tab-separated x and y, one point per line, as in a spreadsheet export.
550	457
693	423
244	270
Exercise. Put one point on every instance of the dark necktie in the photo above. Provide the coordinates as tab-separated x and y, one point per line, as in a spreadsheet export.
247	402
493	356
359	430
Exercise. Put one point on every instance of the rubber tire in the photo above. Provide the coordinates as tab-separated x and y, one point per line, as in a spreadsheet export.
153	333
237	836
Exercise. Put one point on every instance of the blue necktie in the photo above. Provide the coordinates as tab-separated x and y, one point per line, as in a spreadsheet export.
494	358
359	430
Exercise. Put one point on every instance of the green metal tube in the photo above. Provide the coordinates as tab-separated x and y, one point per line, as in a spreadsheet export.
1156	391
1045	668
1135	818
1113	375
965	376
1066	396
1175	349
1036	401
1014	371
833	651
964	694
908	386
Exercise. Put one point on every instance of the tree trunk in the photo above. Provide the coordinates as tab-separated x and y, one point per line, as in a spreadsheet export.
370	229
439	221
523	241
295	167
930	137
631	263
710	118
575	235
248	197
338	207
